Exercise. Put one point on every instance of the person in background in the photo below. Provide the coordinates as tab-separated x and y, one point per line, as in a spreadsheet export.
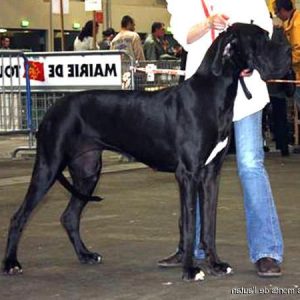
128	40
84	41
195	24
271	6
286	11
108	36
182	65
155	45
279	93
5	42
177	50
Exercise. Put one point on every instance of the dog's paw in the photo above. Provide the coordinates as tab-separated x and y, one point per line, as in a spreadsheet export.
193	274
221	269
90	258
200	276
12	267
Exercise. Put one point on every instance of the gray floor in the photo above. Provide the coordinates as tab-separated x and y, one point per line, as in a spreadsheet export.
135	226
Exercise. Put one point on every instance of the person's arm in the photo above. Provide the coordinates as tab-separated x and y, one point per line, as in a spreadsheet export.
182	19
187	29
215	22
137	48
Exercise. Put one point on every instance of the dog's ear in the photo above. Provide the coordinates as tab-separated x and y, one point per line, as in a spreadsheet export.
223	49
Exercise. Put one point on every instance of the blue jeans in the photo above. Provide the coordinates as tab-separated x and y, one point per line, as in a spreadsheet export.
263	228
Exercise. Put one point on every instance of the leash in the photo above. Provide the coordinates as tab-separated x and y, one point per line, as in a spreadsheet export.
245	89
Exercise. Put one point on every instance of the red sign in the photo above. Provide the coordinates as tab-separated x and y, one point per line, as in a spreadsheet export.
99	17
36	71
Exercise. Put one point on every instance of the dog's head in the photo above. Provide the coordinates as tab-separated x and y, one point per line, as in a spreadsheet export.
247	46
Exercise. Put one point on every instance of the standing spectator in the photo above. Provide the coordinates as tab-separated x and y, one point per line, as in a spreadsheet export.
5	42
286	11
85	40
108	36
278	97
155	45
128	40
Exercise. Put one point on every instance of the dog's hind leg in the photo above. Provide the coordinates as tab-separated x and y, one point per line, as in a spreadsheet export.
85	171
42	179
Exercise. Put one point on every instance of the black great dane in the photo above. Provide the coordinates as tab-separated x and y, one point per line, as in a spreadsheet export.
172	130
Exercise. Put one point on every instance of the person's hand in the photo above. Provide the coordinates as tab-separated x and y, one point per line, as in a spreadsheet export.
246	73
218	21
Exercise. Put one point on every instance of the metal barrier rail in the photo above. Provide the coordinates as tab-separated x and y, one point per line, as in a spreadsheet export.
152	82
15	106
22	109
159	81
42	100
11	110
15	101
45	97
42	97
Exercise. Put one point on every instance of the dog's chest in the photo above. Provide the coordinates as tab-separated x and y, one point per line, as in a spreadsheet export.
218	148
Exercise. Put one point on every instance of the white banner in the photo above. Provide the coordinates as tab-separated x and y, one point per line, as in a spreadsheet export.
56	6
64	70
93	5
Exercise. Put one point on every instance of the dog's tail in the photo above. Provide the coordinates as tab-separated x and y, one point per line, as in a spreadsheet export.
67	185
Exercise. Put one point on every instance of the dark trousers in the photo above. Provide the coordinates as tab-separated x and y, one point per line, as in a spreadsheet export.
280	124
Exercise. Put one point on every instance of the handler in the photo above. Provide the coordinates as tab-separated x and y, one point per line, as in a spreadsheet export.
195	24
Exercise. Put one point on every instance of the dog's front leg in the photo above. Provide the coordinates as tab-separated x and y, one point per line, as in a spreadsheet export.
187	188
211	179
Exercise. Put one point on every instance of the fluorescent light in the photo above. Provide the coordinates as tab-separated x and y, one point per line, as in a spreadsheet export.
76	25
24	23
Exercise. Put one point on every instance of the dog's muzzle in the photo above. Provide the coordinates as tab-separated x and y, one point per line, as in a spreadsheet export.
275	63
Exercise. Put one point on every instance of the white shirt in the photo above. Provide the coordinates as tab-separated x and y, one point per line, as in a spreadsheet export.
85	44
185	14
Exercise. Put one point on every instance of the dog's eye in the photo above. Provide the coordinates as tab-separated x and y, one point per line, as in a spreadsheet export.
227	49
